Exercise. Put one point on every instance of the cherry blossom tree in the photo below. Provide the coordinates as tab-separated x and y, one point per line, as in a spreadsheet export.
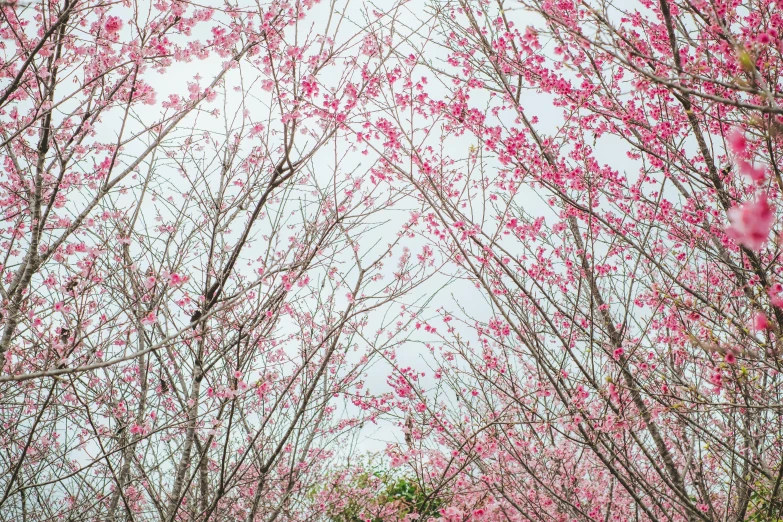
535	242
607	176
188	269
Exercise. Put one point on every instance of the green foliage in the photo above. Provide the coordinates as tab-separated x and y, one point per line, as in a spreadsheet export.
392	496
411	498
761	508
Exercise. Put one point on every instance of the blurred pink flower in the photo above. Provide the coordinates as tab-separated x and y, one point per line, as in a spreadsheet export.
751	222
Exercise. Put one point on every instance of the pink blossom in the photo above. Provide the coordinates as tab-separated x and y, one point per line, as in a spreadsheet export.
774	294
757	174
149	319
737	141
176	279
751	222
612	389
760	322
113	24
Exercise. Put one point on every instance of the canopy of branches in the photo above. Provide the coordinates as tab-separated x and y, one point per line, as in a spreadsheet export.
525	253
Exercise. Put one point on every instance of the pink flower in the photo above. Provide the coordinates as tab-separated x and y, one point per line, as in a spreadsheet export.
737	142
612	389
113	24
176	279
751	223
758	175
150	319
774	294
739	146
149	282
730	357
760	322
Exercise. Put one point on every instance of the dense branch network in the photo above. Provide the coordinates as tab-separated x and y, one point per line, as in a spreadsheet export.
453	260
